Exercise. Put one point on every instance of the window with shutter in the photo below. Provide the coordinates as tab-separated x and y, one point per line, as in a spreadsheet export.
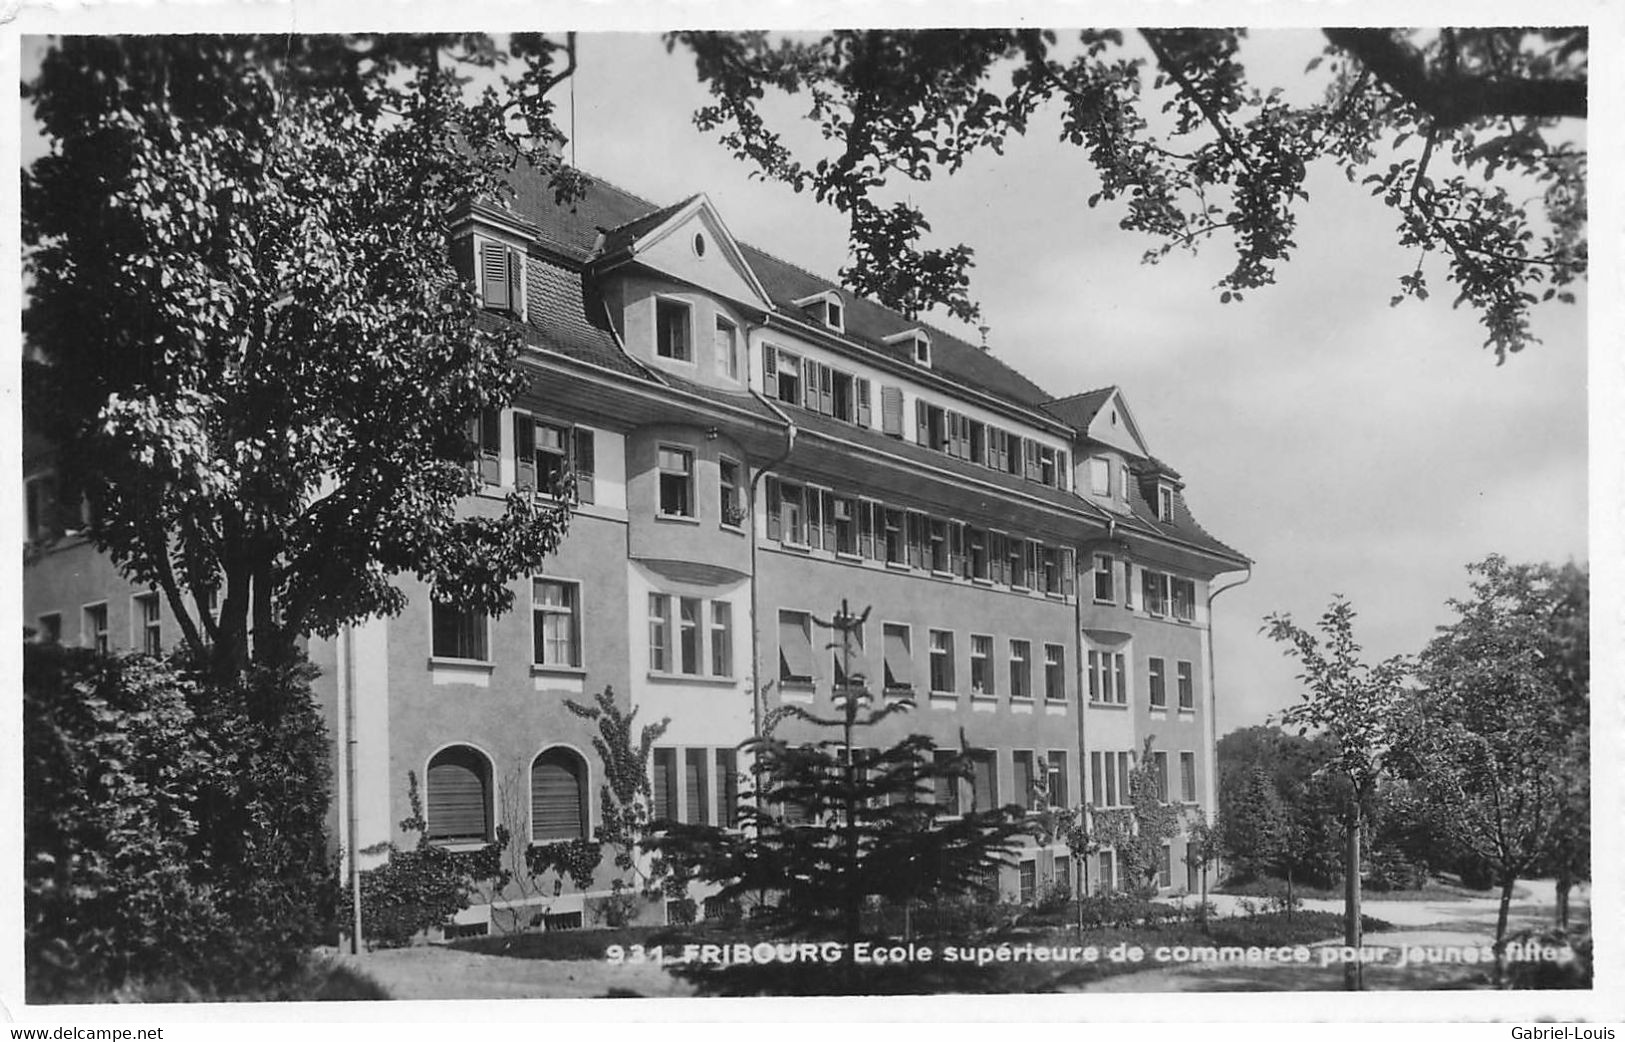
775	523
558	803
524	451
891	410
1022	760
459	799
584	460
1069	576
984	784
665	785
695	802
809	374
770	371
898	658
496	289
922	433
795	647
727	788
864	417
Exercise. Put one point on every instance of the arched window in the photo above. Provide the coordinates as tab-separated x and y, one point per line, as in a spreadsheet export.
558	796
459	803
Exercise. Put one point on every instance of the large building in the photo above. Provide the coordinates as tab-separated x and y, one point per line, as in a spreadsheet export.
753	446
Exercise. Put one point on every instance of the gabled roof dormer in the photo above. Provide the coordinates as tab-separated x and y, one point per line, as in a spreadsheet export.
918	343
688	242
826	308
488	248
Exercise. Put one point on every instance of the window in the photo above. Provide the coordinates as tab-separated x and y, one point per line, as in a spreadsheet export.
976	551
1107	884
1027	874
981	665
984	783
1021	669
585	459
1025	796
676	482
556	613
1055	672
942	662
558	796
915	537
665	807
459	633
1154	585
722	639
1055	777
1184	598
729	503
899	660
1108	680
781	375
147	631
1104	590
727	348
1122	483
1100	476
1165	503
688	635
834	314
1165	875
795	648
896	552
459	797
1187	696
695	803
501	278
1159	775
787	513
945	785
485	433
50	628
1158	688
1187	777
843	659
846	525
727	788
93	628
659	633
551	448
938	534
1109	778
671	331
1018	563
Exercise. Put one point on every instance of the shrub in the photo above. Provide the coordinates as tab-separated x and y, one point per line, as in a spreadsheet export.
173	824
1117	910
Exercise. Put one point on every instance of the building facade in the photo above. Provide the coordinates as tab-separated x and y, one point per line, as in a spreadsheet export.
751	447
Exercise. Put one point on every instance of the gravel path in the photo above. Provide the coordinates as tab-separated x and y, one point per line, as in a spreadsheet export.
437	972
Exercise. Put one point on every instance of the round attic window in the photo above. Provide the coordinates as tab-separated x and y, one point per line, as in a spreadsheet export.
699	244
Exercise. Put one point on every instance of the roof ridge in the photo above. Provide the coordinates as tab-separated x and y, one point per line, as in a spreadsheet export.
1082	394
668	208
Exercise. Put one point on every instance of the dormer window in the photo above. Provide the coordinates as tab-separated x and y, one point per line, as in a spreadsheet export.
502	280
672	339
918	344
1165	502
826	308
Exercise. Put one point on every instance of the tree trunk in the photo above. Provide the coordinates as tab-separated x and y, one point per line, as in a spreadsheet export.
1353	977
1501	931
1564	885
1290	901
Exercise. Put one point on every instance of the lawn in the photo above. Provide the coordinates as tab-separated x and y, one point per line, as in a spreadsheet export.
1433	890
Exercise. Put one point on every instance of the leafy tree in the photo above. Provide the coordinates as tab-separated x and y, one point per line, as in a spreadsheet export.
831	825
171	826
1470	114
1352	703
258	360
1497	735
1255	826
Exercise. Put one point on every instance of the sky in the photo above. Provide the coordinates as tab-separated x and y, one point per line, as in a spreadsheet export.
1346	446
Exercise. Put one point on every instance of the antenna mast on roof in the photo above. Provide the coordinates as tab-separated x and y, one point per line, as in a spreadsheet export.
983	330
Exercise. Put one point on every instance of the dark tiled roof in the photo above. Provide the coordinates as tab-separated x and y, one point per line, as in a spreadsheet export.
1079	410
1183	527
616	239
556	293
